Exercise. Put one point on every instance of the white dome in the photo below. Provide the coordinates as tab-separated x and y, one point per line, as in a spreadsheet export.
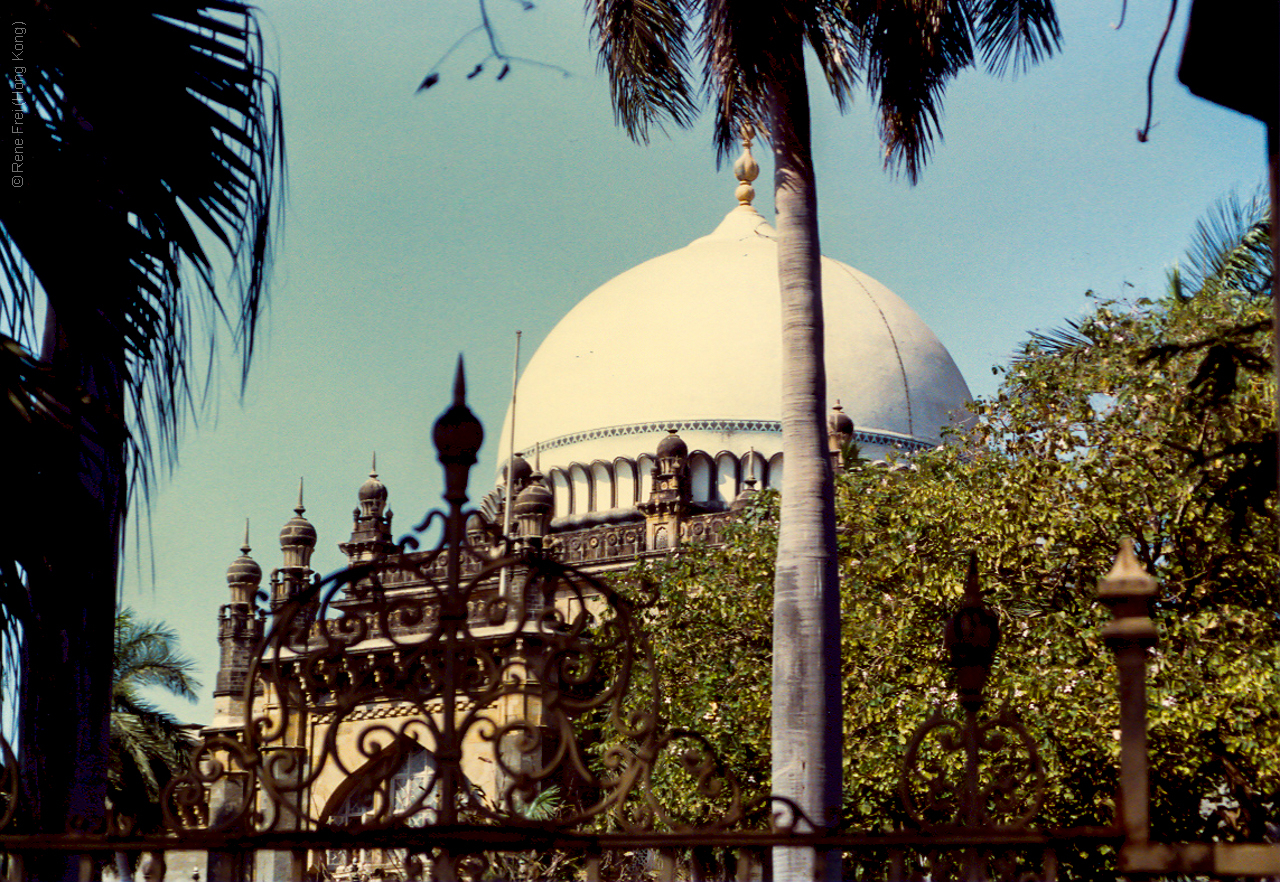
692	340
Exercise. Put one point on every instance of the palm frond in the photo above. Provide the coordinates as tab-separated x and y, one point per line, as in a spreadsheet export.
122	179
1016	33
1231	249
1067	341
835	42
910	51
148	745
146	655
746	50
644	51
146	753
906	52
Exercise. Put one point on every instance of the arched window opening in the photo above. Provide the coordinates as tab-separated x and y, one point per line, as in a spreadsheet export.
407	796
562	493
726	489
773	479
645	467
754	466
581	481
624	483
700	476
602	481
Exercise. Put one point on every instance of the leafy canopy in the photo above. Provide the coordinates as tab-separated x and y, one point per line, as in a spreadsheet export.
1116	426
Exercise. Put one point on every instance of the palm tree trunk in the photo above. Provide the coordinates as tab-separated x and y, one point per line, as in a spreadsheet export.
806	632
69	630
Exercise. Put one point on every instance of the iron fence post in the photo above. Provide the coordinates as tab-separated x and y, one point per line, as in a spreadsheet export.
1128	590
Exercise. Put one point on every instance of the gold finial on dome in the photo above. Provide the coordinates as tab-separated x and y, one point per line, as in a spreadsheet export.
746	168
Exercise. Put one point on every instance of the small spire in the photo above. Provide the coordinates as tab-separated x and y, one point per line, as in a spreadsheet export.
460	384
373	469
301	508
746	169
245	549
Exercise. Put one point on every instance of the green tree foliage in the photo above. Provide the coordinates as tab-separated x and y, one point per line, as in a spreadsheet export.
1106	429
148	745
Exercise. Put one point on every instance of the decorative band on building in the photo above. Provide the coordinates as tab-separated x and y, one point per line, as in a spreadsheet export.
885	439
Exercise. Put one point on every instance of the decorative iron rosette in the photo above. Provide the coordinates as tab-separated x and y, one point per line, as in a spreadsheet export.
972	773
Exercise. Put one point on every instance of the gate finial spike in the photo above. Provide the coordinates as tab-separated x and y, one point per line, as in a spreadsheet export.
460	383
971	637
1128	577
458	436
972	590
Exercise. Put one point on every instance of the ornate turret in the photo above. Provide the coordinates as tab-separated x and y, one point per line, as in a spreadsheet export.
671	471
239	628
298	537
670	498
373	493
297	542
521	473
506	492
371	531
749	491
839	435
244	575
532	510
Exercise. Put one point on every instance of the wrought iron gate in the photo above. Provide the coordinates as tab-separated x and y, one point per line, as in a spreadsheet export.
410	715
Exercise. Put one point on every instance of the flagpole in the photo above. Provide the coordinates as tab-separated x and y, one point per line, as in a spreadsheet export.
510	482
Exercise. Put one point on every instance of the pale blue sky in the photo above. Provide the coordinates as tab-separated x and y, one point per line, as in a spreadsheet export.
419	226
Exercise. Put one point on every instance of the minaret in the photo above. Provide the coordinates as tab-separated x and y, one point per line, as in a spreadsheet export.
297	542
749	491
239	634
239	630
670	499
371	533
532	510
839	435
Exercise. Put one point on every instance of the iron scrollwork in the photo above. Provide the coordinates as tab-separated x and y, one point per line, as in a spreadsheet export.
413	691
973	775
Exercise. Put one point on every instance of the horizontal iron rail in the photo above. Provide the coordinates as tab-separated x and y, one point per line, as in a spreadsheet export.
475	838
1200	858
